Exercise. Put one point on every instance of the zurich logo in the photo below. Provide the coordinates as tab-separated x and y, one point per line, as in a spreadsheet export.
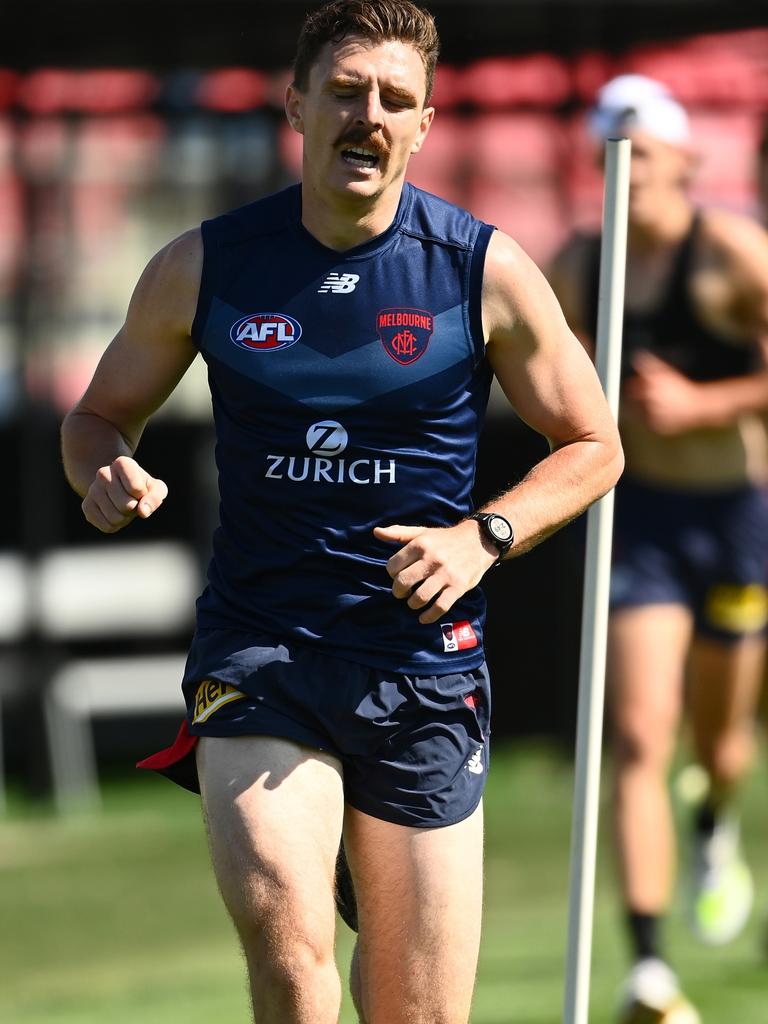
265	332
327	438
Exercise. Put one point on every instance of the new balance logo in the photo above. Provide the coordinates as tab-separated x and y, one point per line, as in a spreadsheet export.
475	763
339	284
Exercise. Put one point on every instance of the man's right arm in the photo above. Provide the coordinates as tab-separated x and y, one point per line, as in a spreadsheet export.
140	368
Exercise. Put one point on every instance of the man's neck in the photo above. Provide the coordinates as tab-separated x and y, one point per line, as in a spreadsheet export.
344	222
668	227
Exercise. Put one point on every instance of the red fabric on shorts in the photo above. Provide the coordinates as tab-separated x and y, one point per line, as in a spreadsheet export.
176	761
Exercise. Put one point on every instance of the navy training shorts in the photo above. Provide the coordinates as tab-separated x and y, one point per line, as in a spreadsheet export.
707	551
414	749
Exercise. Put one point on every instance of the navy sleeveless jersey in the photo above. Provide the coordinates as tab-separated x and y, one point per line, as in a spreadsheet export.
348	390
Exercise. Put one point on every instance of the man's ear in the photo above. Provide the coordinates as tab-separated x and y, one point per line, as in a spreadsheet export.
293	111
427	115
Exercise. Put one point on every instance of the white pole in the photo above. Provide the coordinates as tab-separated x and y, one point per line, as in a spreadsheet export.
594	628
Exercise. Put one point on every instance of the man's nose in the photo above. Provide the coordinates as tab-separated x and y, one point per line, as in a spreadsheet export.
370	113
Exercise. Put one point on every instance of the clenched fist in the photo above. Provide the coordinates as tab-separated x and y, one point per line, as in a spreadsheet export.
120	492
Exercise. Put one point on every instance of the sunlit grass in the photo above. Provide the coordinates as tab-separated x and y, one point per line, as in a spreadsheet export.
116	918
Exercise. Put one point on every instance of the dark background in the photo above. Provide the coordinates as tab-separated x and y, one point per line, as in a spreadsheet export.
197	33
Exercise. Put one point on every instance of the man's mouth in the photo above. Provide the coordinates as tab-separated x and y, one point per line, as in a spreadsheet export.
360	157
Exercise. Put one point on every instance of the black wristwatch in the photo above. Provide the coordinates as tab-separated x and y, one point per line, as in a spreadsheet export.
497	529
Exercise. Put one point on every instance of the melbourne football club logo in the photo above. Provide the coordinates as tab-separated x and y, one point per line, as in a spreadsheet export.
265	332
405	333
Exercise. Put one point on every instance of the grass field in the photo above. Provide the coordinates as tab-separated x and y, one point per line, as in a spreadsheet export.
116	918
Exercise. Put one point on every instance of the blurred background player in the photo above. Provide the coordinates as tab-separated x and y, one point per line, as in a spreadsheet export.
688	593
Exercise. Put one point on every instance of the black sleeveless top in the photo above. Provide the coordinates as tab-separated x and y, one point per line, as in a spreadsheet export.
673	330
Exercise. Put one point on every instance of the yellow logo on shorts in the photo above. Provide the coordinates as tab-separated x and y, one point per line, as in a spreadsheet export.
212	695
738	609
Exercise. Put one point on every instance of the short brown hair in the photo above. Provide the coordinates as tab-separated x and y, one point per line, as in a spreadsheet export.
376	20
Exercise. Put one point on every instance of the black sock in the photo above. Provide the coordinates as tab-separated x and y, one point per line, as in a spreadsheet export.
644	933
706	819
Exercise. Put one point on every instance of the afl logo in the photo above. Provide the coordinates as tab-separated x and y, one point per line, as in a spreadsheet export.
265	332
327	438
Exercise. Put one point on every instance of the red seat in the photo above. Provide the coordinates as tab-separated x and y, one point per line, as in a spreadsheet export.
706	72
583	179
440	167
516	146
232	89
540	79
532	215
99	91
728	147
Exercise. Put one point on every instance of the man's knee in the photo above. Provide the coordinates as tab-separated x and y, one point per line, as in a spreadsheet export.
729	754
287	930
643	742
290	961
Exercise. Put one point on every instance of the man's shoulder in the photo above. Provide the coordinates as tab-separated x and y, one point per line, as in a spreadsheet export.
174	271
434	218
730	233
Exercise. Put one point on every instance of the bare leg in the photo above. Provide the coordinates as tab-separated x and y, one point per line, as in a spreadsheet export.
647	654
274	812
725	681
725	686
419	894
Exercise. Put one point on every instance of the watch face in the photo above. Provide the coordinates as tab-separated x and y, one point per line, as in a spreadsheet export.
500	529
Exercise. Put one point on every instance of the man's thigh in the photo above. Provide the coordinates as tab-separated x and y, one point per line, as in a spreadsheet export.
419	896
274	812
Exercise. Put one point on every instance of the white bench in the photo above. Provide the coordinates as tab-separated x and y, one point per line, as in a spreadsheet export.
109	592
83	690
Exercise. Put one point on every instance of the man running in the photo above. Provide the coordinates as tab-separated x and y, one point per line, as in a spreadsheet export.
336	679
691	529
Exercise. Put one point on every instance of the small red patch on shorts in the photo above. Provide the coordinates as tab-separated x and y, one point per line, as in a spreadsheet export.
458	636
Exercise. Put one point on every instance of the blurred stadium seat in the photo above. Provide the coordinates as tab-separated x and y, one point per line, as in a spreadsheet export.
727	143
229	90
441	166
515	178
583	183
705	71
85	689
538	80
128	594
532	215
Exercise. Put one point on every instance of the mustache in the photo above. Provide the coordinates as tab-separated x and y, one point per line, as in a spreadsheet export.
362	136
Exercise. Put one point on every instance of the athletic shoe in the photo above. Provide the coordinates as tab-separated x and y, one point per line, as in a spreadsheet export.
652	996
722	888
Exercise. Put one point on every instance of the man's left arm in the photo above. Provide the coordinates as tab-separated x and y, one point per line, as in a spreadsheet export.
550	381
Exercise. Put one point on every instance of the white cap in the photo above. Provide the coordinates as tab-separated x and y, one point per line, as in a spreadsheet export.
640	103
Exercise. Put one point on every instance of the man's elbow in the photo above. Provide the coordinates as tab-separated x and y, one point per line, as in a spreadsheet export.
612	462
